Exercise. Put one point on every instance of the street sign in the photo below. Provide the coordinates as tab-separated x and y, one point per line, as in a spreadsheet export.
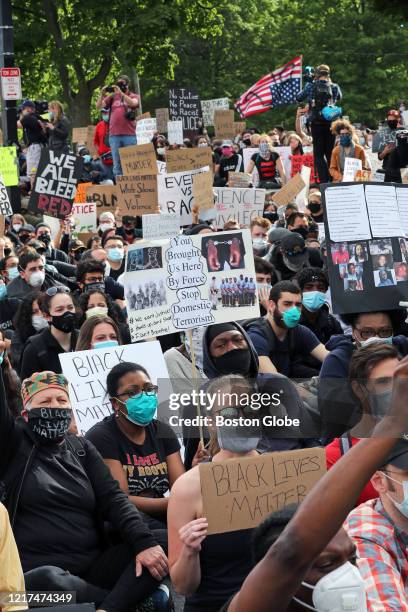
10	83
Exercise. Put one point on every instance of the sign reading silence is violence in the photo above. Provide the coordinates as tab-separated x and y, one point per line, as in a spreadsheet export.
55	184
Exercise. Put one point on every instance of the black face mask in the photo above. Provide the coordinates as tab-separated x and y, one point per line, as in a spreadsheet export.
237	361
48	424
64	323
392	124
23	238
247	142
314	207
271	216
45	238
303	231
95	286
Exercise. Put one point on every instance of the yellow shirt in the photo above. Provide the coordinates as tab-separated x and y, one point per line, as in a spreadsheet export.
11	573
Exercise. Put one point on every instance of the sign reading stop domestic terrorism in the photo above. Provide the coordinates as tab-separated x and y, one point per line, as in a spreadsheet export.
10	83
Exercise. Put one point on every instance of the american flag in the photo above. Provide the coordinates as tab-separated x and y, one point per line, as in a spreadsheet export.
278	88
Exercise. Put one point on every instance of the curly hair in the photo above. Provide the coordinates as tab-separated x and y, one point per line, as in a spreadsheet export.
23	317
342	124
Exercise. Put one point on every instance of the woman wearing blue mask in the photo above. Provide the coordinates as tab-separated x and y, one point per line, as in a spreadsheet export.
57	128
347	147
142	453
98	332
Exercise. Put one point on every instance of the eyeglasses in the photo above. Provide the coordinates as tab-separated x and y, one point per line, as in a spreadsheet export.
370	332
147	388
296	251
54	290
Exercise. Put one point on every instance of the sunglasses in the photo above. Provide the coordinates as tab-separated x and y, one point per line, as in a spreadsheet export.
54	290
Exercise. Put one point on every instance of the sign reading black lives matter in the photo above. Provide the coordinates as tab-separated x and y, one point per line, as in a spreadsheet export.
189	281
366	227
55	184
185	105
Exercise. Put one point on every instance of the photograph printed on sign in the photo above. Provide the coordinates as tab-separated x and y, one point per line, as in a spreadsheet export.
380	247
384	278
382	262
401	271
226	252
339	253
404	249
352	276
149	295
149	258
235	291
358	252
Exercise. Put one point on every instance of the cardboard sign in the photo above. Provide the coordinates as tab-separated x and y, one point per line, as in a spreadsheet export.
180	160
175	132
239	127
137	194
156	227
84	216
239	179
55	184
143	116
203	190
209	106
351	166
86	372
104	196
288	192
363	176
9	166
2	226
185	282
241	493
5	206
138	159
90	140
304	160
79	135
145	130
80	195
185	106
162	118
176	193
241	205
224	123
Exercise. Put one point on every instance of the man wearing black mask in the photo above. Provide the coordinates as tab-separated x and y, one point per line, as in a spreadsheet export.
387	152
128	230
297	222
43	234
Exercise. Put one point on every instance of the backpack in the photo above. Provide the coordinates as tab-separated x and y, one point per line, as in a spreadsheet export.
322	94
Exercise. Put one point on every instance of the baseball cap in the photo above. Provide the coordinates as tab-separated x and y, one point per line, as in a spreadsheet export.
393	113
398	457
277	233
294	247
27	228
26	104
75	245
226	143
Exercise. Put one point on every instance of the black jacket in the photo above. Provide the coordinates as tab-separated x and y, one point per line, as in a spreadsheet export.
58	137
41	353
19	451
18	288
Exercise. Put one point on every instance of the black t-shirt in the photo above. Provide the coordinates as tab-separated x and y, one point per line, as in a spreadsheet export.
230	164
56	516
33	133
116	273
144	464
266	167
8	308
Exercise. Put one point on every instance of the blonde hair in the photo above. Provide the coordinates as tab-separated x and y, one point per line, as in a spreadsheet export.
59	110
265	136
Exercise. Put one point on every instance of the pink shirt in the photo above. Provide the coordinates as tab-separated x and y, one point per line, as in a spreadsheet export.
118	124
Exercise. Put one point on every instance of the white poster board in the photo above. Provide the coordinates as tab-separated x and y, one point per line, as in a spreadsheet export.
240	204
145	129
86	372
209	106
175	193
302	197
175	132
84	216
351	166
189	281
164	225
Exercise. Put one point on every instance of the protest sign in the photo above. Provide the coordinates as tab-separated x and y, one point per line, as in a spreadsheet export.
79	135
104	196
288	192
180	160
86	372
203	190
9	166
351	165
189	281
224	123
55	184
209	106
239	179
163	225
162	118
185	105
240	493
145	129
90	140
238	204
137	194
2	225
84	216
143	116
366	225
239	127
5	206
80	195
363	176
304	160
378	177
138	159
285	153
383	137
176	193
175	132
302	196
161	167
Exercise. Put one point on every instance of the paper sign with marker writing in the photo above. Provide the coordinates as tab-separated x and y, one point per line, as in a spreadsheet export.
85	218
351	165
156	227
80	196
145	130
9	166
241	205
288	192
181	160
5	206
80	134
347	213
224	123
175	132
104	196
162	117
176	193
241	493
301	198
86	372
161	167
138	159
209	106
203	190
239	179
137	195
2	225
306	159
189	281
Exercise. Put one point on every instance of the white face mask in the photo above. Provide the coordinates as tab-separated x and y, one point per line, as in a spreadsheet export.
36	279
17	227
340	590
375	340
97	311
39	322
105	226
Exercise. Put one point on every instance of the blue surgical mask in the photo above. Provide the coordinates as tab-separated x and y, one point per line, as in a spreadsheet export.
115	254
105	118
13	273
3	291
313	300
105	344
1	357
291	317
87	159
345	140
141	408
401	506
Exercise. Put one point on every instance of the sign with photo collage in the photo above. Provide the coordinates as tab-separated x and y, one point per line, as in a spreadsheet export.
366	228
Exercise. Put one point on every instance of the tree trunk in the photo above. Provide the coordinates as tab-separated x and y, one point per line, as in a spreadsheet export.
79	112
